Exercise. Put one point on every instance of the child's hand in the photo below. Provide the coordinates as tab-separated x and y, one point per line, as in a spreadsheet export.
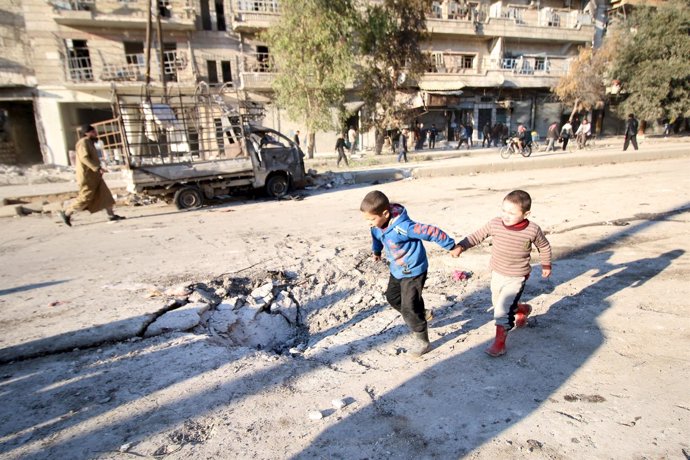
376	257
456	251
545	272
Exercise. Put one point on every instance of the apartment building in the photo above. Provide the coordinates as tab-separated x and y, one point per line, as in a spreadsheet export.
489	61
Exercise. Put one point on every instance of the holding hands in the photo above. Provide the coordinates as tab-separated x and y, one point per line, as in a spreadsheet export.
456	251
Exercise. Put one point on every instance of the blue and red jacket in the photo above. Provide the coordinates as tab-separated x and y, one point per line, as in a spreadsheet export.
402	240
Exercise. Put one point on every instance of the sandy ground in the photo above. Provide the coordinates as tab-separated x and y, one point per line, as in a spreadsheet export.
601	372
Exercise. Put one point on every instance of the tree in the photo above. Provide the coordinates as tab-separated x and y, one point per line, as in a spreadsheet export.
652	62
313	51
391	34
584	86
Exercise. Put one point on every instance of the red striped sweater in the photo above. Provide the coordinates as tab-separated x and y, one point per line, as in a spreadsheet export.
510	254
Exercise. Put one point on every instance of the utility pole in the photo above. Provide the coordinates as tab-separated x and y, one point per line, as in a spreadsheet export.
147	46
161	54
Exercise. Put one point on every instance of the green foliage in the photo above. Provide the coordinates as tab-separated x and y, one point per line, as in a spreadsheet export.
653	62
313	53
390	42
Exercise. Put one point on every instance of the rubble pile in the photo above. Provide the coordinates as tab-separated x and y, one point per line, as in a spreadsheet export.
329	179
261	314
36	174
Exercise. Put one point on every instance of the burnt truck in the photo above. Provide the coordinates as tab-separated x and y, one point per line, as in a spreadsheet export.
186	147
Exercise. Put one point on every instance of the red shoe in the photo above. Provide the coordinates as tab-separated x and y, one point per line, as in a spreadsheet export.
498	348
523	311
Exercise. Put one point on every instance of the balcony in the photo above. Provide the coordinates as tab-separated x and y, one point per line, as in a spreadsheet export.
128	68
175	16
534	71
550	24
254	16
257	71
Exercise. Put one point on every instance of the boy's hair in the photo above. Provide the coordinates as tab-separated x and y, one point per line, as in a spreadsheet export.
375	203
520	198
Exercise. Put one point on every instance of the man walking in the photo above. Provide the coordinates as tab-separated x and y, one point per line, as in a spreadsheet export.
94	194
631	127
352	139
402	146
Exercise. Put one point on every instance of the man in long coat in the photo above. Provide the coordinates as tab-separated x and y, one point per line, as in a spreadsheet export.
94	194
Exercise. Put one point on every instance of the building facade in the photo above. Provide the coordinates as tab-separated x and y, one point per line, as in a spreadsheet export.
489	61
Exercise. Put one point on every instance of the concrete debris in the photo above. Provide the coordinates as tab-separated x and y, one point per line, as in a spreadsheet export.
201	295
11	210
284	305
263	292
36	174
181	319
315	415
339	403
181	290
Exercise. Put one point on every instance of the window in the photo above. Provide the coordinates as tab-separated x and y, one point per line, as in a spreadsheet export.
540	64
226	71
220	15
134	53
165	8
467	62
212	71
78	60
205	15
170	61
263	57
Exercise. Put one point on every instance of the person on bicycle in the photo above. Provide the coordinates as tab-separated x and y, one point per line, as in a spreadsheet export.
584	131
524	137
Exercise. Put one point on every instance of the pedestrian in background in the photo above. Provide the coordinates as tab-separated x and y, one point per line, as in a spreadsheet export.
631	127
402	145
432	133
340	149
296	138
552	137
462	132
486	132
469	130
94	194
352	139
566	134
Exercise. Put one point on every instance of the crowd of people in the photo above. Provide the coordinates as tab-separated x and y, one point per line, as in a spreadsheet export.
419	137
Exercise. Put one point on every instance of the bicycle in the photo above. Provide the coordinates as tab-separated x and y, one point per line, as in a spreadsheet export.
513	148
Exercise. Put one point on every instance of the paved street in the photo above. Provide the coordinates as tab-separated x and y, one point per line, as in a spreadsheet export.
617	301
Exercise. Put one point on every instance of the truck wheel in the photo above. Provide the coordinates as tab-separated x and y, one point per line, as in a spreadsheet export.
188	198
277	186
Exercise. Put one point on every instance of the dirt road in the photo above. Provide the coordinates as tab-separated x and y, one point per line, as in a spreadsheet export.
601	373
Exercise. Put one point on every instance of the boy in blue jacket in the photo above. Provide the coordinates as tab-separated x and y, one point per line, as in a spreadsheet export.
401	237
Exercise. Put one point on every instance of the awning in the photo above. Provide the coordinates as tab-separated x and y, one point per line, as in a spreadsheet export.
353	106
442	87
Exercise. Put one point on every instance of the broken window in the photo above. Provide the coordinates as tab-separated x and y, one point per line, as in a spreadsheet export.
78	60
165	8
170	63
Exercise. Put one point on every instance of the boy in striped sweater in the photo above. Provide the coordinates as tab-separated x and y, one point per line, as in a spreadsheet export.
512	239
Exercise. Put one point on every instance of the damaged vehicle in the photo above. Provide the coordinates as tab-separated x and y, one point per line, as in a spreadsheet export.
188	148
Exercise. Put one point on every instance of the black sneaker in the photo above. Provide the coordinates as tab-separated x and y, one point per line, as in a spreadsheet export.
115	217
65	218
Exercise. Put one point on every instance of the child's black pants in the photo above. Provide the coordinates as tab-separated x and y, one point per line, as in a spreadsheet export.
405	295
